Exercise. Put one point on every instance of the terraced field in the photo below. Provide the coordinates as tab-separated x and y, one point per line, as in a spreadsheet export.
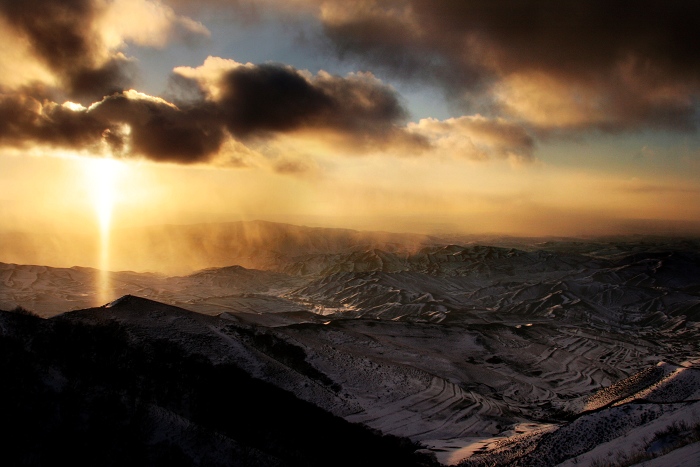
487	355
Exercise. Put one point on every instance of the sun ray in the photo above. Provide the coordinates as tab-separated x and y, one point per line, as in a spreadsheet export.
102	175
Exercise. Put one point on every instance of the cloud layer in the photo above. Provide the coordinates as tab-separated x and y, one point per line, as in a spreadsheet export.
249	103
63	37
518	71
254	99
477	138
573	65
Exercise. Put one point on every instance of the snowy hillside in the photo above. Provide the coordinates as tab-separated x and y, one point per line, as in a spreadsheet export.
540	353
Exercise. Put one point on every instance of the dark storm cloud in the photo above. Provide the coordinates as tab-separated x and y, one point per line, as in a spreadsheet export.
25	121
637	59
159	130
276	98
259	101
91	83
62	35
269	98
580	38
129	125
255	103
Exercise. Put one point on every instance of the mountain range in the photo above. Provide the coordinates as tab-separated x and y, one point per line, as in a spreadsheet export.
432	350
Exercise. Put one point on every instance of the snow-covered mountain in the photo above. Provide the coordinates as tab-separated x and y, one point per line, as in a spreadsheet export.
520	354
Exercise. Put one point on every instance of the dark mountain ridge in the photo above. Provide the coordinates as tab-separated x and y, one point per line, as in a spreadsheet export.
91	388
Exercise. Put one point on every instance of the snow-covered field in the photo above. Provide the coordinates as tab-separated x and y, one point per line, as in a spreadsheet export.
551	354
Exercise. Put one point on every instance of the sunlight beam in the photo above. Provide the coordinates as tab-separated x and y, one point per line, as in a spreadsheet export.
102	175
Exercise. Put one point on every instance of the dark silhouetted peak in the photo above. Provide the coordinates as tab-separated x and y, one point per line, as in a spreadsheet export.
132	301
130	308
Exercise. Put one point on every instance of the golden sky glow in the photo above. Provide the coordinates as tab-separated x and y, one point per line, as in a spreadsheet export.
319	113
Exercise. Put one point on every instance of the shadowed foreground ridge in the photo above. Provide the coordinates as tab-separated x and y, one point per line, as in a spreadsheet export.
89	390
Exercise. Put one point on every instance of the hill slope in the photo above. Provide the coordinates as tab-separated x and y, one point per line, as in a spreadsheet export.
97	388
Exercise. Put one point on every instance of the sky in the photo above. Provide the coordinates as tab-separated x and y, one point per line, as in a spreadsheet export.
530	118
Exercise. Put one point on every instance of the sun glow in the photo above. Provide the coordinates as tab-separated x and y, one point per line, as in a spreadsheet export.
102	176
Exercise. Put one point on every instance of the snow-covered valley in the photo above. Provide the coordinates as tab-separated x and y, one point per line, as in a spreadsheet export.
541	353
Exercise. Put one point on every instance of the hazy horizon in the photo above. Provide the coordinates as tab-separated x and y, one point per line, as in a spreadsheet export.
177	249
